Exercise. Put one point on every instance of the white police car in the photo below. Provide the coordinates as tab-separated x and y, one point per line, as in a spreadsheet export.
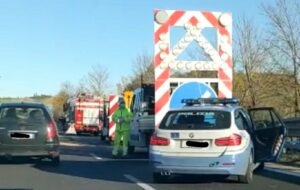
215	136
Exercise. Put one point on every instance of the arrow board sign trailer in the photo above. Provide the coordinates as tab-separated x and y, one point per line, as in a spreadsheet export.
166	57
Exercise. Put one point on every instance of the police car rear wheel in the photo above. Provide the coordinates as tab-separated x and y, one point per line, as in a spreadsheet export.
247	178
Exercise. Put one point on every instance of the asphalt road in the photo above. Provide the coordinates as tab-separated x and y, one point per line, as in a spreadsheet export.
87	165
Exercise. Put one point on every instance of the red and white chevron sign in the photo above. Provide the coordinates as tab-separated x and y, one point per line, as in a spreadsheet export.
165	58
113	106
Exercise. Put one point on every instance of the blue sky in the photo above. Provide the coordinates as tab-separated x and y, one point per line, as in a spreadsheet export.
44	43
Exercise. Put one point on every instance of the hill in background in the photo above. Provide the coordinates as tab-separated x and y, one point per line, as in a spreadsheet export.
46	99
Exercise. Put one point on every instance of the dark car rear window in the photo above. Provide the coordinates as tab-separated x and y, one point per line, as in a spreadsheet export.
23	116
196	120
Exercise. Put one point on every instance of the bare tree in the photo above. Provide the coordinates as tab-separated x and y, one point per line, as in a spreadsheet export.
57	101
98	80
143	72
251	55
123	84
82	86
143	68
284	35
67	88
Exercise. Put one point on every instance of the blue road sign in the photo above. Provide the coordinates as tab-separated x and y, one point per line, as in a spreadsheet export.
191	90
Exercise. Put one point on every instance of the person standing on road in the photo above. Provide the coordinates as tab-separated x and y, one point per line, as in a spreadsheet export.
122	117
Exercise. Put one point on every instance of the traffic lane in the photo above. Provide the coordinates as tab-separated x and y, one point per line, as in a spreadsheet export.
140	168
83	146
86	173
78	170
84	139
74	173
114	172
111	175
263	180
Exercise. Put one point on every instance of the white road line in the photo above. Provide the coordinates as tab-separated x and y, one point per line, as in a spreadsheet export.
95	156
138	182
126	160
118	159
70	144
283	172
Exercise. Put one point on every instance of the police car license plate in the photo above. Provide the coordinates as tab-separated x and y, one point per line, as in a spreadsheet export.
195	143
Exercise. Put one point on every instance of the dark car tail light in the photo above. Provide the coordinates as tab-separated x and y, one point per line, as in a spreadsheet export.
51	130
160	141
232	140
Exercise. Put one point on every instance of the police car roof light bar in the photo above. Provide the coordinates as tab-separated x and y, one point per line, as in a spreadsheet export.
223	101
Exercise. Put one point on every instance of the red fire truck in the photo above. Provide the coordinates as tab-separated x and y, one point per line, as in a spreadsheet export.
86	113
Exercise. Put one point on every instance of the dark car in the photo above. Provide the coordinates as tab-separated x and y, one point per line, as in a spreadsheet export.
28	130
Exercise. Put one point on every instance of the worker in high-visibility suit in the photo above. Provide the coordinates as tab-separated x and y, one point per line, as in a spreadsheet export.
122	117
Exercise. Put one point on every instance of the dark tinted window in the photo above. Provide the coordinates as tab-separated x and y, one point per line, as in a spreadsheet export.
262	119
277	122
23	116
240	121
148	91
196	120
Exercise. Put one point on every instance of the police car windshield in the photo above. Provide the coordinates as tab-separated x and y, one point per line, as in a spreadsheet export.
196	120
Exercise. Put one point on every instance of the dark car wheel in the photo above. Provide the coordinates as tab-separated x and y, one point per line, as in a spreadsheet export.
55	161
158	178
131	149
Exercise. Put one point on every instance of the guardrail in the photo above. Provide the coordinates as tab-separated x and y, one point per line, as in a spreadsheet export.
293	127
293	132
292	146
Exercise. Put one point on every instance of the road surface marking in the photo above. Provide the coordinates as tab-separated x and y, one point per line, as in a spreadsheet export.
119	159
125	160
282	172
70	144
138	182
96	157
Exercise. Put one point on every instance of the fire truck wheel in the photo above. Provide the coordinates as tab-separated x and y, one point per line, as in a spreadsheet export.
96	133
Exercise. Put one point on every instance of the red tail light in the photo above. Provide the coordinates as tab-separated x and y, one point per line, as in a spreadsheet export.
51	130
232	140
160	141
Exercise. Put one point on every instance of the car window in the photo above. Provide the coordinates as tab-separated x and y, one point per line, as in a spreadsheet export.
262	119
196	120
277	122
240	121
22	116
